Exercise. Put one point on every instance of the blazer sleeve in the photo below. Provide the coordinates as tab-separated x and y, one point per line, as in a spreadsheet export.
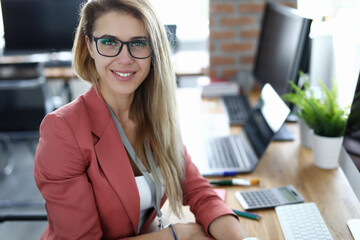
204	202
60	174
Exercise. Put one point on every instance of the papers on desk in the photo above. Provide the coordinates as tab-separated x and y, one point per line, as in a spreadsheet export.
217	87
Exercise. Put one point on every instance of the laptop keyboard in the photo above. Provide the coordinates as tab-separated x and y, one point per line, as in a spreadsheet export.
227	152
237	108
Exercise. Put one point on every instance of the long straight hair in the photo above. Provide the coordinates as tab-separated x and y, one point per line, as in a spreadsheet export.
154	106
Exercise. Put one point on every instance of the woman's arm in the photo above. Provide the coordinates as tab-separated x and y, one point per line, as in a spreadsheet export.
227	227
60	174
210	211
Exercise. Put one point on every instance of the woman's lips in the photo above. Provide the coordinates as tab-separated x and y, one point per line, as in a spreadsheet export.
123	75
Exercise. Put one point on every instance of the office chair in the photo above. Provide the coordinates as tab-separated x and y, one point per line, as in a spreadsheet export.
23	100
23	104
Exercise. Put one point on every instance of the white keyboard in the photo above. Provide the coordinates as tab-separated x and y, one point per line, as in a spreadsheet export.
302	221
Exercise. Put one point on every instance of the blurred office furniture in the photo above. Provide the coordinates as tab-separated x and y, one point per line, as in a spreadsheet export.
24	101
20	200
23	104
5	167
23	217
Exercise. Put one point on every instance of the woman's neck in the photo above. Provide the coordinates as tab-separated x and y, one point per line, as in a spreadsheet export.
120	105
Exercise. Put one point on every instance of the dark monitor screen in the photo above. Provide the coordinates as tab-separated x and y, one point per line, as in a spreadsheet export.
39	25
350	155
352	134
283	47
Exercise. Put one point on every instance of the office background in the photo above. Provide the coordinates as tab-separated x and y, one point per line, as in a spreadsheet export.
225	48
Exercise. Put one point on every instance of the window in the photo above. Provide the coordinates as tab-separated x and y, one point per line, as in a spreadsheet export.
191	17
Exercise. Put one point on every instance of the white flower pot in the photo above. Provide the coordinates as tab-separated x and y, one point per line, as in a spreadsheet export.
326	151
306	133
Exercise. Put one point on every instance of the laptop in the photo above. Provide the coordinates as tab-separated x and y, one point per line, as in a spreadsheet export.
229	155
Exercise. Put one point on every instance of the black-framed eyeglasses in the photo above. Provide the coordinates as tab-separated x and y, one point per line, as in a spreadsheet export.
111	47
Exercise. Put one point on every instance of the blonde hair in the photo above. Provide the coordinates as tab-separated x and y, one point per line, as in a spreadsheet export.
154	106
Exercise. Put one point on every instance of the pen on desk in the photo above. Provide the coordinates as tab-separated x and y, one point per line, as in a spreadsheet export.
236	181
246	214
220	174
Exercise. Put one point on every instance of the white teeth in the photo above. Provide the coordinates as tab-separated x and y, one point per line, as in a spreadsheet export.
122	74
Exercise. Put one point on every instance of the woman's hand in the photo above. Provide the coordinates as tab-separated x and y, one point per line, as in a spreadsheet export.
183	231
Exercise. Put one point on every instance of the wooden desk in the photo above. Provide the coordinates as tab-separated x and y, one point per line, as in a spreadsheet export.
283	163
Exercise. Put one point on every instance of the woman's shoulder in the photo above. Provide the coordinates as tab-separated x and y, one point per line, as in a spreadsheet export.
71	108
88	112
75	110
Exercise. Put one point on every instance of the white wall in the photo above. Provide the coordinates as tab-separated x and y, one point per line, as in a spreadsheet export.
336	43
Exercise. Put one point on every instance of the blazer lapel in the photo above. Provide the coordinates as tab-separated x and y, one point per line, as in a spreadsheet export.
112	155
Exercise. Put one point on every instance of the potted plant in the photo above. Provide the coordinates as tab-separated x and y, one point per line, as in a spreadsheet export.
319	109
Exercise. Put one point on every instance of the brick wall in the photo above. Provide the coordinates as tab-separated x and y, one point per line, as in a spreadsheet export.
234	31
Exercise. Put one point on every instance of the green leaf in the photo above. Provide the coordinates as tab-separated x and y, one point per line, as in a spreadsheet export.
323	114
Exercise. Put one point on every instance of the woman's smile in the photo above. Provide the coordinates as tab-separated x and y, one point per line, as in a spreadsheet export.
123	75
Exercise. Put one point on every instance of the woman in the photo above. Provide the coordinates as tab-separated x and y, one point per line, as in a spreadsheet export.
107	161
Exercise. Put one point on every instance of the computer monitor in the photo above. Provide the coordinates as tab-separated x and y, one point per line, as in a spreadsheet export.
39	26
283	47
350	152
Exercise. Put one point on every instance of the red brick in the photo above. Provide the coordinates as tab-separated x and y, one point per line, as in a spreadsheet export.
222	34
229	73
231	47
252	7
250	33
222	8
222	60
237	21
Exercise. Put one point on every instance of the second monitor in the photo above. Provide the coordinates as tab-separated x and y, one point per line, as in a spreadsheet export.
283	50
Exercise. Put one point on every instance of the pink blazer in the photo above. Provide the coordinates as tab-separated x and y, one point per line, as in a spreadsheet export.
84	174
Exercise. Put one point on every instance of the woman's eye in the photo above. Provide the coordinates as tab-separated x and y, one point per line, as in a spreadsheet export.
139	44
108	42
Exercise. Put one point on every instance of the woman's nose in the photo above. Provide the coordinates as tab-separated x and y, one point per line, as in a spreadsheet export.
124	55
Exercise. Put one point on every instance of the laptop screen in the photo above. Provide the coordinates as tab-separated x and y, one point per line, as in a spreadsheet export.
266	119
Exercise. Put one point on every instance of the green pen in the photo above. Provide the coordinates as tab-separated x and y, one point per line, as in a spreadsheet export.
246	214
235	181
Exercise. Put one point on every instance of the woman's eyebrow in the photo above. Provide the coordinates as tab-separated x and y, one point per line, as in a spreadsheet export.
139	38
132	38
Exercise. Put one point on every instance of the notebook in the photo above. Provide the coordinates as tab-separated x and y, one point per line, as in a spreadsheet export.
229	155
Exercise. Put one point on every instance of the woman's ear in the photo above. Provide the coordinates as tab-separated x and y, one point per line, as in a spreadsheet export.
89	46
